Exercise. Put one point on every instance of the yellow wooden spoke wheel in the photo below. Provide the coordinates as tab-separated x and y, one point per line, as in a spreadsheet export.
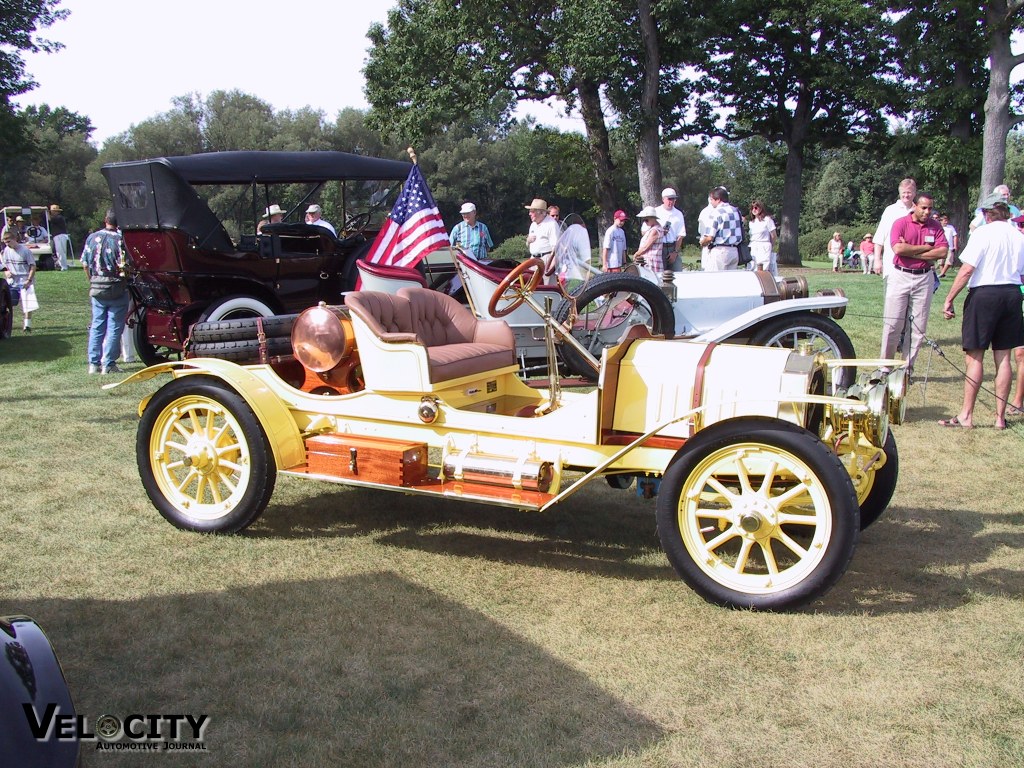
203	457
758	516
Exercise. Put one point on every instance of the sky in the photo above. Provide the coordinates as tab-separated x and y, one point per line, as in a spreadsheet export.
124	60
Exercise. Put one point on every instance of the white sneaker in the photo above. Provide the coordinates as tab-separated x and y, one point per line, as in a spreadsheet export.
93	368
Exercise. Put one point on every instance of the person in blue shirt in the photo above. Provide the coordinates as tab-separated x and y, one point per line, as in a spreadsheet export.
471	235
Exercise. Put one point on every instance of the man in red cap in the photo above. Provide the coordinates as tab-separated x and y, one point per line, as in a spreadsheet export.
613	248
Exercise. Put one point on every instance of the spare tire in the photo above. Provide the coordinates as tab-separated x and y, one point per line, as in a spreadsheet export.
242	329
245	351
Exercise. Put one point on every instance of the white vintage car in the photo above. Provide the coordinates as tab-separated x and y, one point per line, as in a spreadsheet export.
765	478
739	307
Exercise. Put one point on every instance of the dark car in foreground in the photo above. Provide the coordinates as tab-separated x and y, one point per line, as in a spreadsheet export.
31	676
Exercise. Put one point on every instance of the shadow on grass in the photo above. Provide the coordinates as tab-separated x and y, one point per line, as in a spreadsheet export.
602	533
36	347
368	670
916	560
911	560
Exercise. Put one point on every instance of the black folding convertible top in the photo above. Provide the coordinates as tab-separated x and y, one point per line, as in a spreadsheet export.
282	167
156	193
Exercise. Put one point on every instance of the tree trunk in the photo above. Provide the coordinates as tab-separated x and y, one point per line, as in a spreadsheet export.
598	147
648	145
792	196
792	187
998	119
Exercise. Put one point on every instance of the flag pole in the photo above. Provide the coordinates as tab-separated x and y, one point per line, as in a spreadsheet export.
412	154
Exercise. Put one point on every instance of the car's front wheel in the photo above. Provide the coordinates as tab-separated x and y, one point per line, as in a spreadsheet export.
203	457
755	514
874	486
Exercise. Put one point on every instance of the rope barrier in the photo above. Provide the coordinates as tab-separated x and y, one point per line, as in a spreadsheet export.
933	346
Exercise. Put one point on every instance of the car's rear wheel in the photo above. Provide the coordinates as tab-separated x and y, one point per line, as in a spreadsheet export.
824	334
606	308
757	515
203	457
149	353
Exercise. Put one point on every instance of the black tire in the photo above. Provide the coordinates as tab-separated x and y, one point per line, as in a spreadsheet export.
724	546
6	311
875	488
642	301
619	482
203	457
150	353
239	330
826	335
247	350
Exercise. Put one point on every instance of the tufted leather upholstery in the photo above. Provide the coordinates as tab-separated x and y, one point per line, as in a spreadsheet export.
457	344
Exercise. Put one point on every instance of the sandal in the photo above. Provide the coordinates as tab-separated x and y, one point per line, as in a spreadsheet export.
954	422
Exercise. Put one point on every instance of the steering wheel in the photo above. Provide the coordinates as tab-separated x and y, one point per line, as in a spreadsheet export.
516	286
355	224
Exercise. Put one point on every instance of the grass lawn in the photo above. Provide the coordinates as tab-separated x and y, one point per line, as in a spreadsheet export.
360	628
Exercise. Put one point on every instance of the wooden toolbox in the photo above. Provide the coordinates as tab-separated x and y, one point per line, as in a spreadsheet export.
373	459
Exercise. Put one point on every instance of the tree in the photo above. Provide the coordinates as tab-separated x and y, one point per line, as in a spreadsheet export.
439	61
20	23
1002	19
946	114
796	72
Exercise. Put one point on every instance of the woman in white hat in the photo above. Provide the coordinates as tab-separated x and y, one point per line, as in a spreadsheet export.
649	252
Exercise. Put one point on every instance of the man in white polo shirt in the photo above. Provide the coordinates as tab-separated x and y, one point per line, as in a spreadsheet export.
314	215
675	229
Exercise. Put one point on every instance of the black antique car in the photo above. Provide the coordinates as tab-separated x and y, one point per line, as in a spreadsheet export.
192	246
31	676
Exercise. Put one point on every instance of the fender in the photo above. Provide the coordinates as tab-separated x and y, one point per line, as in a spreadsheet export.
275	418
37	713
775	309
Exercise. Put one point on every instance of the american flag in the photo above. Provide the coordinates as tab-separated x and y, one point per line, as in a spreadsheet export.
414	227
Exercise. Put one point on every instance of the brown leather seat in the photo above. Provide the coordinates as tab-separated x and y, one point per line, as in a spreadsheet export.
457	343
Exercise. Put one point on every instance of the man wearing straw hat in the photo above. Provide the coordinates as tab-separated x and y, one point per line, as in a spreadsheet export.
543	235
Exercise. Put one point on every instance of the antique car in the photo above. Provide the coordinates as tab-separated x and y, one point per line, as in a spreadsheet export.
764	480
7	304
193	257
35	231
31	676
739	307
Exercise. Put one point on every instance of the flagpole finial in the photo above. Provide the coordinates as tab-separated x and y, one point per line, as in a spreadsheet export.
412	154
